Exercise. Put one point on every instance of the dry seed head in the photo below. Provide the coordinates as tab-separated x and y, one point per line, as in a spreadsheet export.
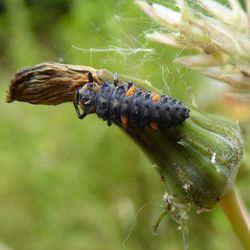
217	40
48	83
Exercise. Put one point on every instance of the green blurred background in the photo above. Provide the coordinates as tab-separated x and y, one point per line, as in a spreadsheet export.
71	184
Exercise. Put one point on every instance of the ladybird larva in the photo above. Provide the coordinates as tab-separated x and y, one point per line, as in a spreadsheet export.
128	106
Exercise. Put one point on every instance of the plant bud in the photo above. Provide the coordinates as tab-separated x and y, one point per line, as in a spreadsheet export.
198	160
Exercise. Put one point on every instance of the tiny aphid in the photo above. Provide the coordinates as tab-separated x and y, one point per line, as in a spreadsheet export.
128	106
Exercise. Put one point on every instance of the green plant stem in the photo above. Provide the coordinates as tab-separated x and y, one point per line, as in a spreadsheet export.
238	216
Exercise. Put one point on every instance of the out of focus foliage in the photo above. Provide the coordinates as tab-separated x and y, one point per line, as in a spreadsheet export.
71	184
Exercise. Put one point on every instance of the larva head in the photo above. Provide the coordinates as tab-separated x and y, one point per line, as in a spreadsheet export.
86	97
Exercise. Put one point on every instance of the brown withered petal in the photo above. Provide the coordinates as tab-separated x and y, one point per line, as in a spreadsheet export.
48	83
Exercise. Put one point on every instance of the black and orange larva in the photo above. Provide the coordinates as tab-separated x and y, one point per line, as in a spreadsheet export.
126	105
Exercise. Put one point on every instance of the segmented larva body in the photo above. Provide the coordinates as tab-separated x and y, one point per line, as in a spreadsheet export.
131	107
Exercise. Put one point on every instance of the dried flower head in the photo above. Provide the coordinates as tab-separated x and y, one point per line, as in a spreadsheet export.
48	83
217	37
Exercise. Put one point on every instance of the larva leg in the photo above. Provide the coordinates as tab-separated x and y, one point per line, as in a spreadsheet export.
130	84
80	116
116	79
90	76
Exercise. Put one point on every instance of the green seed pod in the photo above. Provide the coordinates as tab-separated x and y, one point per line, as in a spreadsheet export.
198	160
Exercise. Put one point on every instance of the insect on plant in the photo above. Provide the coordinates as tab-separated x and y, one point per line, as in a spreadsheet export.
129	106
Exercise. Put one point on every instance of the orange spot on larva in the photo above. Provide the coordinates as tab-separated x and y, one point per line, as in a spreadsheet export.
156	98
131	91
124	120
154	125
